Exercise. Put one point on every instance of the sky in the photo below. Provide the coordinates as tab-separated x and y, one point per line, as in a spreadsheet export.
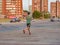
29	2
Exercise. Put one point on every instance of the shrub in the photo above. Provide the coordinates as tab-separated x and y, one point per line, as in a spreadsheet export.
46	15
36	14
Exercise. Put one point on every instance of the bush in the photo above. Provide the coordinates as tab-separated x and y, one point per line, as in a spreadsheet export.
46	15
36	14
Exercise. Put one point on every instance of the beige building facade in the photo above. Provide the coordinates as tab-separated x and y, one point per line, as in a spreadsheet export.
40	5
55	8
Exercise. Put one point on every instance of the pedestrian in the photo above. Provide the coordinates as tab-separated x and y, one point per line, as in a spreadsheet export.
28	23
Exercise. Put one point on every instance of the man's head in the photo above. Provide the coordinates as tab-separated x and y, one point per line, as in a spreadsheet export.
28	13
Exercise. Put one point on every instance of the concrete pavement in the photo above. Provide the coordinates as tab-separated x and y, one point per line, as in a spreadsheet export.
38	37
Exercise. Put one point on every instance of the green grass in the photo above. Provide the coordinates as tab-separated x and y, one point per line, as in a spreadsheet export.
4	20
7	19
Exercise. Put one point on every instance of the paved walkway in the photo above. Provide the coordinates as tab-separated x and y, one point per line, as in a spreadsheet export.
38	37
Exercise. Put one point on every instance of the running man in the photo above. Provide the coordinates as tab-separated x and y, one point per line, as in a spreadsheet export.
28	23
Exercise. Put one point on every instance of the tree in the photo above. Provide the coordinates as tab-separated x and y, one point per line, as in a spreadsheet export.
36	14
45	14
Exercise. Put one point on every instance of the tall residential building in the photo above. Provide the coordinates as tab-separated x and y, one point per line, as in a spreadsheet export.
45	5
4	7
40	5
55	8
36	5
0	6
12	7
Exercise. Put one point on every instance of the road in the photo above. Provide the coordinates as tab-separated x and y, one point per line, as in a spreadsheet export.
43	33
37	24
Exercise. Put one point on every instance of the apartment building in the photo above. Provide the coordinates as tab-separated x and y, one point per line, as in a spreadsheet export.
12	7
55	8
40	5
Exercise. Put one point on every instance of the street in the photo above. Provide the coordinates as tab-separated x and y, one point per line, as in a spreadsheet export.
37	24
43	33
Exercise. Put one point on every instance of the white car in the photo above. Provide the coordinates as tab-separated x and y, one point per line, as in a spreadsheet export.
55	19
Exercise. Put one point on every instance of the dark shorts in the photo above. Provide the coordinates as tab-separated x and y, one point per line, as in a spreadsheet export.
28	24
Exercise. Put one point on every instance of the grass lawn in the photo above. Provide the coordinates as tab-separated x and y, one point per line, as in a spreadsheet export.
7	19
4	20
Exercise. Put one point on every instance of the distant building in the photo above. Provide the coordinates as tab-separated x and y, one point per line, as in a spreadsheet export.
45	5
36	5
40	5
12	7
55	8
0	6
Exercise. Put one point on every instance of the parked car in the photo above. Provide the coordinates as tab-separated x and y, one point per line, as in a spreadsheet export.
59	19
15	20
53	19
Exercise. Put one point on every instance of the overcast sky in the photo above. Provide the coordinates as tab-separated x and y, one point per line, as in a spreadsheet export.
27	2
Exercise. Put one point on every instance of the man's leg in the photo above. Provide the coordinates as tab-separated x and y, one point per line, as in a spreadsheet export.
25	30
29	30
